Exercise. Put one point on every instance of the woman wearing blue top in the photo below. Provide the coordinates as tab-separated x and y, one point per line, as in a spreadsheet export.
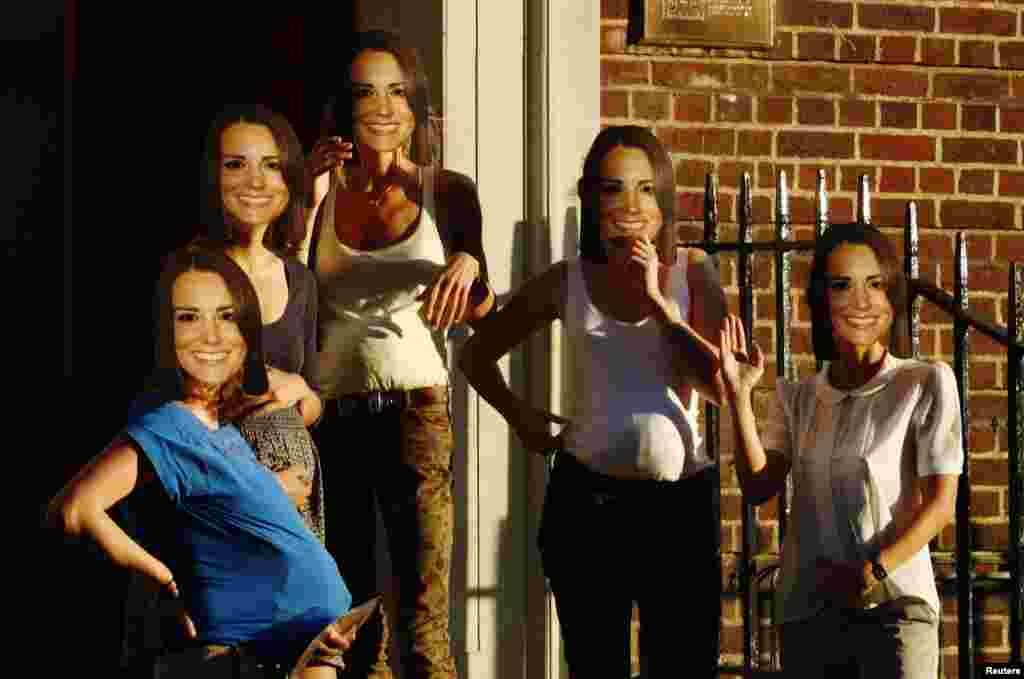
251	574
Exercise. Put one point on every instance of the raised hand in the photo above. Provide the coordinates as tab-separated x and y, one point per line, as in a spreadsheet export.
739	373
643	253
328	153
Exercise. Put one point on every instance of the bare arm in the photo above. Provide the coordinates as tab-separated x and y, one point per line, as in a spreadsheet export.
762	474
936	511
81	507
536	304
461	293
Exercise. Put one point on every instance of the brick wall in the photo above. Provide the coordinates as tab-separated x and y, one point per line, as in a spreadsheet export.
927	99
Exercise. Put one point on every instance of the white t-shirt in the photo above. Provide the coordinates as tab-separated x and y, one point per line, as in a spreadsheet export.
856	459
626	421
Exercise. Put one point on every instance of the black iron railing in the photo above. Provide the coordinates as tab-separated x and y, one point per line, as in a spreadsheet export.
749	579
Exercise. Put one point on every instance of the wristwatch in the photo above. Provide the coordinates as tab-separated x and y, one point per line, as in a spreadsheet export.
878	570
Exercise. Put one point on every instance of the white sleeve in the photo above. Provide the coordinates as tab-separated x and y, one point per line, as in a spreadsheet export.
936	424
776	427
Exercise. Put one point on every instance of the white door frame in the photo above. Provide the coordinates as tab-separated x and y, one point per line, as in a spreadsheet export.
521	104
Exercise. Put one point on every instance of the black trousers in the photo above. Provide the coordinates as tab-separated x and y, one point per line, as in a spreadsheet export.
606	543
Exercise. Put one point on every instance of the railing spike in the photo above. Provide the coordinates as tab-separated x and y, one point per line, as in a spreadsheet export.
864	200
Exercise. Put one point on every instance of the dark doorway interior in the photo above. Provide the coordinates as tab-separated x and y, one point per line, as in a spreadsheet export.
145	81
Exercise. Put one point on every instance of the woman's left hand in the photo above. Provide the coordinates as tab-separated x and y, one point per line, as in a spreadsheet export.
645	255
446	299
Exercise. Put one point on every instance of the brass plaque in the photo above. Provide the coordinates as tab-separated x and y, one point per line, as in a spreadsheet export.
704	23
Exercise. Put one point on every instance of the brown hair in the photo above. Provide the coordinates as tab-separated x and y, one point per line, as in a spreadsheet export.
286	234
631	136
168	378
337	116
817	287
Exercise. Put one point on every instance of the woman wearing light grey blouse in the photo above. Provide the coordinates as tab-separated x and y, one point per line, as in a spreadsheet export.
873	445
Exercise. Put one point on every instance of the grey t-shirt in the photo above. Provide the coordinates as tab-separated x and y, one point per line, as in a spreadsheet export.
289	343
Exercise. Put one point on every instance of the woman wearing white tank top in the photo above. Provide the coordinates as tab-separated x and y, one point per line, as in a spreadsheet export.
396	248
628	513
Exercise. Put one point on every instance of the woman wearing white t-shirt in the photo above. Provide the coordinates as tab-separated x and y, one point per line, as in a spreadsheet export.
873	444
628	513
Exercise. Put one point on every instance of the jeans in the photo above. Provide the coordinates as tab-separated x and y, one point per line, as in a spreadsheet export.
898	639
401	457
606	543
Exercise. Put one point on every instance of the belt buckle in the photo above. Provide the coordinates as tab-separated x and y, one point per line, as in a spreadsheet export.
375	402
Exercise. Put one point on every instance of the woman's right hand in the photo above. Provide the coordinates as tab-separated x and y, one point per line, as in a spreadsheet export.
328	153
739	374
532	426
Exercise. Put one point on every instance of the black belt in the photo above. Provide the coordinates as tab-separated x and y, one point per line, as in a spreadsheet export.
377	402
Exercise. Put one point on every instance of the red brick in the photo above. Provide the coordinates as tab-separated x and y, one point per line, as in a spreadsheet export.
897	180
850	176
614	104
971	150
680	74
960	214
981	118
984	502
938	116
815	13
1011	118
990	536
976	86
622	72
751	77
990	471
613	39
730	173
987	21
614	9
897	147
783	47
977	54
938	52
690	206
859	48
808	178
897	49
981	439
1011	183
775	110
977	181
755	143
691	172
767	173
1011	55
891	83
896	17
816	46
1010	247
893	212
650	105
936	180
734	108
815	144
980	247
902	114
856	113
693	108
815	112
803	78
705	141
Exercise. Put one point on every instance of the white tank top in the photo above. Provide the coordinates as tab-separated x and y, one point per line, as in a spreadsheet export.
373	336
626	421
